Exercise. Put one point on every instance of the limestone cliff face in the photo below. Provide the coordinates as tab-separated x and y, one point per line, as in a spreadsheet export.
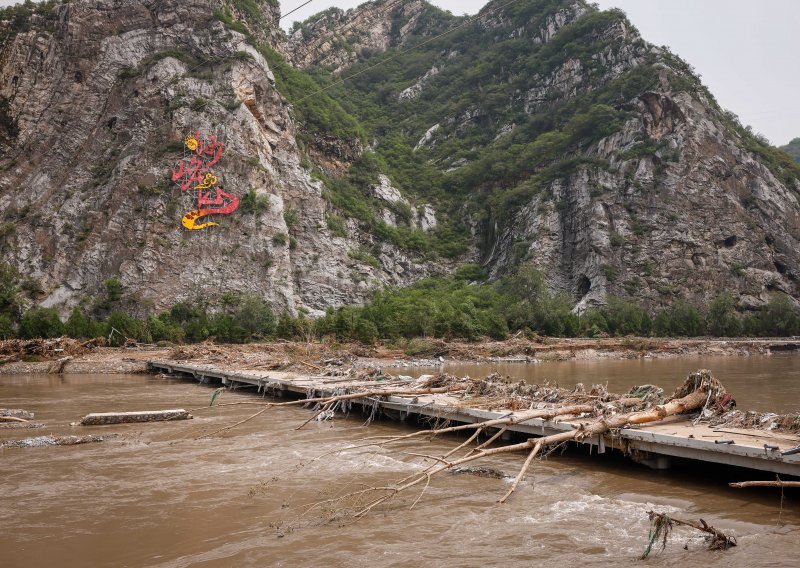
97	96
693	214
338	38
95	100
699	216
675	204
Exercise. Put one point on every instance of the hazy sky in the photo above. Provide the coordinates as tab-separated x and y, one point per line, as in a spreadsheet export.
745	50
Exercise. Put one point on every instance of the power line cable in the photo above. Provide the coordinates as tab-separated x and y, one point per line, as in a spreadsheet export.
296	9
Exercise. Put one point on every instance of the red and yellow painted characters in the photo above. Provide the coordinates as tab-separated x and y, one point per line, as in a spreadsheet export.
195	174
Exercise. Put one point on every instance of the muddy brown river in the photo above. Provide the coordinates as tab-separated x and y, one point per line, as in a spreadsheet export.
156	496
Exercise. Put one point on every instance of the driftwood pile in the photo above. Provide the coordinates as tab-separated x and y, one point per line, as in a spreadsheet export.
747	419
596	411
593	412
12	350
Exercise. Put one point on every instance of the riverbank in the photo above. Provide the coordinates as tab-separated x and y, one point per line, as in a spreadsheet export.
73	357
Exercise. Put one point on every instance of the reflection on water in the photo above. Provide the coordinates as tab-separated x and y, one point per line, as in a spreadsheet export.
763	383
156	496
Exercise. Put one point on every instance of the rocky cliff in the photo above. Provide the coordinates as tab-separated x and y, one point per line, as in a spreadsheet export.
575	146
542	132
336	38
96	99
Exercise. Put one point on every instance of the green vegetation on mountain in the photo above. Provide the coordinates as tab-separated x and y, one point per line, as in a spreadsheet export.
316	112
544	132
17	18
465	306
793	149
493	151
478	92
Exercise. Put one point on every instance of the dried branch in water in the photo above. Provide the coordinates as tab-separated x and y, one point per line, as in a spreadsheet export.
700	390
661	525
330	400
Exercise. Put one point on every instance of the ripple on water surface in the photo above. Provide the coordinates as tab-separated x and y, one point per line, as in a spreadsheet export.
156	496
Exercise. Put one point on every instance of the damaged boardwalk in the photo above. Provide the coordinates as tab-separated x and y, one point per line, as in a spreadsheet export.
654	445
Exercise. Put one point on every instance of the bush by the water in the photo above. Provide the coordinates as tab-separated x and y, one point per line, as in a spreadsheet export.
464	306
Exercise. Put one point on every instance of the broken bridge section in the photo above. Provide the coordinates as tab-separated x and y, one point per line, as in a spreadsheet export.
653	444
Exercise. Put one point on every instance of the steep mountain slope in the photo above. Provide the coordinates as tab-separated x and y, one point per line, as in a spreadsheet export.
96	98
542	133
571	144
793	149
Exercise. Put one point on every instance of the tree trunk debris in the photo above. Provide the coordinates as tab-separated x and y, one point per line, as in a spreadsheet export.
7	413
592	414
104	418
778	483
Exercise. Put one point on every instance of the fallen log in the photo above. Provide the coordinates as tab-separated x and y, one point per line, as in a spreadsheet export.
661	525
45	441
745	484
104	418
12	419
15	413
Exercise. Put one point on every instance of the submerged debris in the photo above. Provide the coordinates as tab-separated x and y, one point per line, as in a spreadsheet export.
45	441
20	425
661	526
480	471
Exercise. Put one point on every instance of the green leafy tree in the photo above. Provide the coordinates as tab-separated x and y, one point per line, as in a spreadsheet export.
41	322
80	326
680	319
624	317
10	300
722	319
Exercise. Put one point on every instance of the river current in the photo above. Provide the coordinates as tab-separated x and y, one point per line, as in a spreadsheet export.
156	496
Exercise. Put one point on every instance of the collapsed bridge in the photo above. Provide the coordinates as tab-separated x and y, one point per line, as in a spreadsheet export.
713	432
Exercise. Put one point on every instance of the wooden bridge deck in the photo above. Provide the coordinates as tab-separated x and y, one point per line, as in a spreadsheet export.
654	444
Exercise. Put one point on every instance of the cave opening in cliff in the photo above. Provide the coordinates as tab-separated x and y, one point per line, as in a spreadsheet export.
584	285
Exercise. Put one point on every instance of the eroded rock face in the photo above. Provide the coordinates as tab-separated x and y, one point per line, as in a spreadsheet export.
339	38
98	102
700	216
95	101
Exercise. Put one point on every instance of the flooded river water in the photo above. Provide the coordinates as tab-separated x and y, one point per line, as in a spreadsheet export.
763	383
156	496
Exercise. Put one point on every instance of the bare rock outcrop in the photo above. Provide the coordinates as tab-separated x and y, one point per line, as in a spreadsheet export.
96	100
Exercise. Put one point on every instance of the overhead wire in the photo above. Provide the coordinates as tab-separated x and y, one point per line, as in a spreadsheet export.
296	9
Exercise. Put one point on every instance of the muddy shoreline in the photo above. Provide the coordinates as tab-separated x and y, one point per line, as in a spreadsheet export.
27	357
